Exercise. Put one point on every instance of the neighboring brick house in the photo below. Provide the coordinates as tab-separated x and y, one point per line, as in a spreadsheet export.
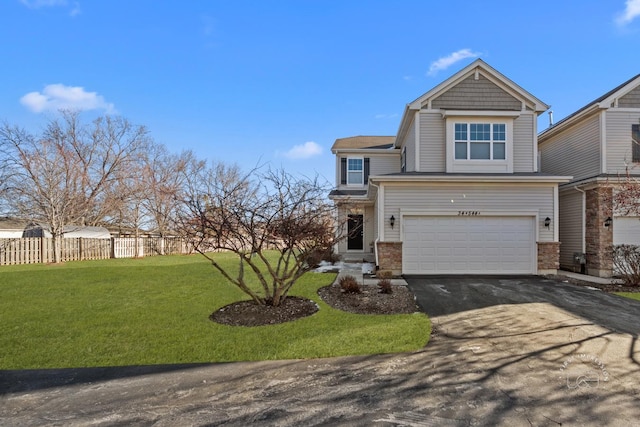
596	146
457	190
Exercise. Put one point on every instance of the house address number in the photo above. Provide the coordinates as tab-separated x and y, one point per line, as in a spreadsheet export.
468	213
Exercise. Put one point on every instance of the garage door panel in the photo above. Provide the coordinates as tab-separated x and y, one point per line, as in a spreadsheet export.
626	230
489	245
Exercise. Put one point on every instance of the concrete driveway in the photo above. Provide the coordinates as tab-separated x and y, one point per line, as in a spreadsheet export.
523	352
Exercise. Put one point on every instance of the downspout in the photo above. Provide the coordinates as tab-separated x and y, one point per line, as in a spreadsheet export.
584	218
375	242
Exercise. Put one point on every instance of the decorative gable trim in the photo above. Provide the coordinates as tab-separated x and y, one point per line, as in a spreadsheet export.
476	69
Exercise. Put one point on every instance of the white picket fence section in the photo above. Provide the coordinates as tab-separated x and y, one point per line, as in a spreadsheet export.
34	250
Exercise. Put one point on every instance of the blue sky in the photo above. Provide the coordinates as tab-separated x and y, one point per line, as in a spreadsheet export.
276	82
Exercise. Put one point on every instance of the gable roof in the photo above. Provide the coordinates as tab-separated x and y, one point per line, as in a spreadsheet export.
8	223
481	67
476	68
603	101
355	142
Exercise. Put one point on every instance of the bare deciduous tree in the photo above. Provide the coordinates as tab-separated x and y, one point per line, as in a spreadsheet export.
68	175
254	216
164	178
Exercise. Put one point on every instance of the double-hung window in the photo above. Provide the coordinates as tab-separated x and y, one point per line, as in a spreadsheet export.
480	141
355	171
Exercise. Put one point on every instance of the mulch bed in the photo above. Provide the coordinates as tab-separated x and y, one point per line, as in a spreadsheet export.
369	301
248	313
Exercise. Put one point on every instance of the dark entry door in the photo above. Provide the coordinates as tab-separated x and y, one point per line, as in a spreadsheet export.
354	228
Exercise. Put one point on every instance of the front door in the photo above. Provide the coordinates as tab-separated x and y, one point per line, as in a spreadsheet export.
355	230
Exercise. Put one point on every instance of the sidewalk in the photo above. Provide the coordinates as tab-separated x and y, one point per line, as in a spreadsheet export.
586	278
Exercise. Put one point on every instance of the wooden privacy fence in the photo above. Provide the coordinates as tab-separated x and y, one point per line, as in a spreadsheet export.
34	250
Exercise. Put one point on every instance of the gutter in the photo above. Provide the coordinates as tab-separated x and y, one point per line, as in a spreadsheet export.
584	217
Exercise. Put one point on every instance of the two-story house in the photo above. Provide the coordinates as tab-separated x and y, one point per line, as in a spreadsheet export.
457	190
598	145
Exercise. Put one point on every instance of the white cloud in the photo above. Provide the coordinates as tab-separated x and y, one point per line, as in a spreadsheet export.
304	151
447	61
75	11
37	4
386	116
631	12
58	96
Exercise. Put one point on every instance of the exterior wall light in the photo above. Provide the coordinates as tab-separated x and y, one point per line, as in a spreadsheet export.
392	221
607	222
547	222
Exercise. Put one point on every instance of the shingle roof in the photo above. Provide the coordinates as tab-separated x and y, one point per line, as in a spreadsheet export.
595	101
380	142
348	193
7	223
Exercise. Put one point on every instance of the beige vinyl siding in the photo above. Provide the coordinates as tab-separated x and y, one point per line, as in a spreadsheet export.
432	142
571	227
523	135
574	152
452	198
369	228
409	143
630	100
472	94
618	125
385	164
342	218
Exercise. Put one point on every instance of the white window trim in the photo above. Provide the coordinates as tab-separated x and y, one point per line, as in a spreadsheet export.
403	159
469	142
479	165
361	183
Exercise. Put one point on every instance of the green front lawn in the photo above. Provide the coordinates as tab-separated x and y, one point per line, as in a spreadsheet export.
632	295
155	311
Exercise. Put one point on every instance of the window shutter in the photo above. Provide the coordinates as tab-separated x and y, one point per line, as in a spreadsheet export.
343	170
366	171
635	143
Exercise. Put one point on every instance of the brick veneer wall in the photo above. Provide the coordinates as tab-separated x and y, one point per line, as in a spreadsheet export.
548	257
598	237
390	256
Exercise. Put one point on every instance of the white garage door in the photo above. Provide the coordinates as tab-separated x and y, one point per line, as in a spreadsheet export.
476	245
626	230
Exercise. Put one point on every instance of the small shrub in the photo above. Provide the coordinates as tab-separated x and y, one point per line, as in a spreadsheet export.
385	286
384	274
349	285
626	263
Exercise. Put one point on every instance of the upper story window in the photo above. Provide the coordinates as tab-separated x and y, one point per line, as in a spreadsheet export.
480	141
355	171
403	160
635	143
